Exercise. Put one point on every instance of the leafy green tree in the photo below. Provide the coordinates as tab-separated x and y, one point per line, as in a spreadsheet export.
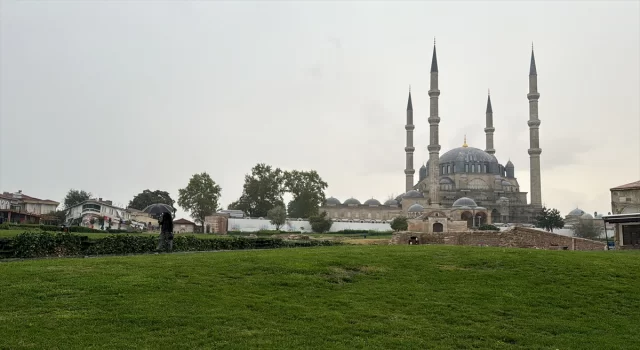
75	197
307	189
549	219
262	191
148	197
585	228
59	217
399	224
200	197
278	216
320	223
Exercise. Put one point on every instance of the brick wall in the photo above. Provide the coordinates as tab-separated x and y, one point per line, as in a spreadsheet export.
518	237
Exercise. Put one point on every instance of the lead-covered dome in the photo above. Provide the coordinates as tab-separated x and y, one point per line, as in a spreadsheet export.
332	201
415	208
352	201
391	203
586	216
467	154
372	202
576	212
413	194
464	202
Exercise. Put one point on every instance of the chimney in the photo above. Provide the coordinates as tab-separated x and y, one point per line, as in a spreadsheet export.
109	202
100	199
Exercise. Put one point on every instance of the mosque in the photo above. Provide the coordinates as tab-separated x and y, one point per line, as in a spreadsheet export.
463	184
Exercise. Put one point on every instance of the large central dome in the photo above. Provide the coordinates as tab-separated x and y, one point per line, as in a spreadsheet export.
467	155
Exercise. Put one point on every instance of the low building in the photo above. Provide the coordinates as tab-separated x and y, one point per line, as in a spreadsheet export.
19	208
625	199
98	214
626	230
183	226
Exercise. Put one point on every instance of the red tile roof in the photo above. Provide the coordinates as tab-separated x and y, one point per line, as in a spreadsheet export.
629	186
24	197
183	222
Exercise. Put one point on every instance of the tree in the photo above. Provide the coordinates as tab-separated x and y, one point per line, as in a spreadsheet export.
399	224
148	197
320	223
262	191
200	197
585	228
75	197
307	189
278	216
549	219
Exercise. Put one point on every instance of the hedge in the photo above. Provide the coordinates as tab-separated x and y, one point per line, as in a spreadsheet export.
54	228
59	244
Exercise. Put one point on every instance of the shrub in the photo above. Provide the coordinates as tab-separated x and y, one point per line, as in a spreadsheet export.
488	227
320	223
46	244
399	224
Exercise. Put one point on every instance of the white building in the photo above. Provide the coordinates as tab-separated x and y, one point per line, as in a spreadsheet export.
103	214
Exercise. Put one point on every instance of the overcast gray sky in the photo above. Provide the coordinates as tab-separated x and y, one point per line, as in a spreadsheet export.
96	95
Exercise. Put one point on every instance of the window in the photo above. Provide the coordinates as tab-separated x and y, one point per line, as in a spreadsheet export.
454	168
466	168
473	168
448	169
91	207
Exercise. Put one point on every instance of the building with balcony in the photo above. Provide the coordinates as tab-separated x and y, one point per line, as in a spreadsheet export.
98	214
17	207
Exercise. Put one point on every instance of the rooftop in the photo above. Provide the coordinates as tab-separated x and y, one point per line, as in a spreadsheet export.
629	186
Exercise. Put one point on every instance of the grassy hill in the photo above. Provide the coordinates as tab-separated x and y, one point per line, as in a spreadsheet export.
347	297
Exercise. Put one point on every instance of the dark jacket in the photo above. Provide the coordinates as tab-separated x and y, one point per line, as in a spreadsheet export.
167	224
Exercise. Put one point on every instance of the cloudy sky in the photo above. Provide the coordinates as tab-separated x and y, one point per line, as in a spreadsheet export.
117	97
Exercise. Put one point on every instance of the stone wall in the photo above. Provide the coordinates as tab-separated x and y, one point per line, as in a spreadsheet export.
518	237
216	223
625	201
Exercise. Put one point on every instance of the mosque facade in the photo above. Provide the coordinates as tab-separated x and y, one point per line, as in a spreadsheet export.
464	183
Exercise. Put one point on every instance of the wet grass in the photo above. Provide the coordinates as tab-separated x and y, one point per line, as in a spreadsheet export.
346	297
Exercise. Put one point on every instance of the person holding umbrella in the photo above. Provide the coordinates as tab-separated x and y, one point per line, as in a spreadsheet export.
166	233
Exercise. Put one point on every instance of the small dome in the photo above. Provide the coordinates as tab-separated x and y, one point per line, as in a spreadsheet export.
416	208
413	194
587	216
399	198
391	202
509	165
598	216
464	202
332	201
506	183
576	212
372	202
352	201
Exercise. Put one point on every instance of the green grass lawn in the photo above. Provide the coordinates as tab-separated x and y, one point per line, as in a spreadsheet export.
345	297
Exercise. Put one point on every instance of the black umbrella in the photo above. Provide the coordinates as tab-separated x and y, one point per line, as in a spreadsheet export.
156	210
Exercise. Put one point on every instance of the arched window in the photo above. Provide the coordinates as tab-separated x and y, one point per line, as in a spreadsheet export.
473	168
466	168
448	169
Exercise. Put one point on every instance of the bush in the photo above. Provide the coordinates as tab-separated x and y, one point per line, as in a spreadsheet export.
320	223
45	244
488	227
399	224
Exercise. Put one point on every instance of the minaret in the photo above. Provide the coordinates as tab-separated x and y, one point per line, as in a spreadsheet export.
489	129
434	143
409	171
534	135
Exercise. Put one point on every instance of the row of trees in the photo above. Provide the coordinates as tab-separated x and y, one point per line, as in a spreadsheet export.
266	186
262	195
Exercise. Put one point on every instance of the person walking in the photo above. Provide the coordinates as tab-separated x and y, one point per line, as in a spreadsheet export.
165	241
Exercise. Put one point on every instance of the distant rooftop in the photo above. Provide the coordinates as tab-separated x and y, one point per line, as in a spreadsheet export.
629	186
